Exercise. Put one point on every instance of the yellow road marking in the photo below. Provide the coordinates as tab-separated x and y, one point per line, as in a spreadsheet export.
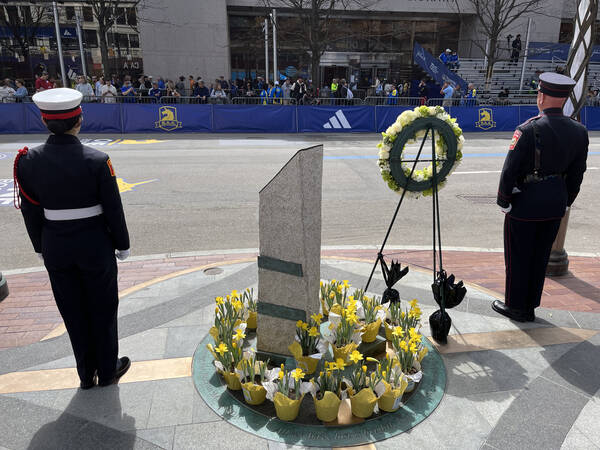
497	340
124	186
116	141
61	329
53	379
136	142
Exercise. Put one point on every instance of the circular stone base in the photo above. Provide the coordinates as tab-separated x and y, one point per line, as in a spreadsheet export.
261	421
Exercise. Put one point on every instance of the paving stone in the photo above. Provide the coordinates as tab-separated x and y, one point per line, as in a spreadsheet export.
204	316
491	405
183	341
216	435
144	346
202	413
162	437
589	418
576	440
172	402
540	417
587	320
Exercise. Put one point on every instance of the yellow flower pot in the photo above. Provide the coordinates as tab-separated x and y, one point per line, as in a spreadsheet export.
327	408
343	352
391	399
252	321
254	394
306	363
232	380
370	331
286	408
388	331
363	403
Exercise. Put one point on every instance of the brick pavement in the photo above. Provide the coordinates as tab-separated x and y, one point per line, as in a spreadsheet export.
29	313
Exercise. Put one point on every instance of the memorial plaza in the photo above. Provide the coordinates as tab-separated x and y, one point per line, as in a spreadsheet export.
192	208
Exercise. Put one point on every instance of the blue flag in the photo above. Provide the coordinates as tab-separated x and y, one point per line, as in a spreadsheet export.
436	69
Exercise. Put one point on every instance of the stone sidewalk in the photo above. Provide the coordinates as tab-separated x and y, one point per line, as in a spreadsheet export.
516	386
29	314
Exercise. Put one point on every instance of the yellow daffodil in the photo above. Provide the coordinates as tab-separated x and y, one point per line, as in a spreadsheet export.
317	318
280	374
217	310
219	300
403	314
340	364
370	359
299	324
364	369
239	334
413	303
346	285
320	283
313	332
237	305
305	326
331	295
221	349
413	348
403	346
383	374
356	356
298	374
339	289
333	281
398	332
234	294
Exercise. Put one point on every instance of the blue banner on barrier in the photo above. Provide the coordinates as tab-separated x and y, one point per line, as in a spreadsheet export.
33	120
254	119
435	68
166	118
485	118
101	118
387	115
13	118
326	119
24	118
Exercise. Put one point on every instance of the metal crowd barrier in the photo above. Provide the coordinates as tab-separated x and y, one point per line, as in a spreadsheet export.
327	101
262	101
395	101
190	100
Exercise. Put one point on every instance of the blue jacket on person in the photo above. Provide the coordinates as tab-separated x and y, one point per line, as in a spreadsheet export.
276	94
444	58
264	96
393	97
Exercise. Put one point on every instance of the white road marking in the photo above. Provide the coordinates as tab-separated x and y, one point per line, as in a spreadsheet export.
475	172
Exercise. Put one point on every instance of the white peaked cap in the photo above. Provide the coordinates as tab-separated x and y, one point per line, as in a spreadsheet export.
59	99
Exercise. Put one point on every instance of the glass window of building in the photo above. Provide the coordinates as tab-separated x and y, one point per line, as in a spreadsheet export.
120	15
123	41
88	14
131	16
70	12
134	41
91	38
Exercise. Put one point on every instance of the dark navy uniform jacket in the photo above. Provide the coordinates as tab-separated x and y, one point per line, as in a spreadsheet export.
64	174
564	148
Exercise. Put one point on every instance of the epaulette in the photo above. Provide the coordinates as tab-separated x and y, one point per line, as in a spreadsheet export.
530	120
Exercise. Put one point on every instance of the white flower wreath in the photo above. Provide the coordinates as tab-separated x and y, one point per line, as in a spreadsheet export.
404	120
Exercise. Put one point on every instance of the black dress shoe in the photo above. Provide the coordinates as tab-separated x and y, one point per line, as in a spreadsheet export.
513	314
85	385
123	365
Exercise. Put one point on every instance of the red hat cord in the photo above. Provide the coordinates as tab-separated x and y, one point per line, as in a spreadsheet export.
17	188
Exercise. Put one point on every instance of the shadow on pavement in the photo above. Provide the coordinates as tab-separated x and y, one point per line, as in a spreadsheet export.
579	286
72	431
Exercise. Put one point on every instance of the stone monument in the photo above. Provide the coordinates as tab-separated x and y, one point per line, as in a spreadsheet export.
290	250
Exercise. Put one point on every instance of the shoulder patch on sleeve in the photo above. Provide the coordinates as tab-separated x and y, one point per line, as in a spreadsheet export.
515	139
110	167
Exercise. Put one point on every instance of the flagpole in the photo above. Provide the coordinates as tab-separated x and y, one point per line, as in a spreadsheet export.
525	55
59	42
577	65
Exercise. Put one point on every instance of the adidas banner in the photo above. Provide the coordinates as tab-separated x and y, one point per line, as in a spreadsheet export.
339	119
254	119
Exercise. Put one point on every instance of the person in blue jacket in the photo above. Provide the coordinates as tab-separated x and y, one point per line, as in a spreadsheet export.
276	94
393	96
264	95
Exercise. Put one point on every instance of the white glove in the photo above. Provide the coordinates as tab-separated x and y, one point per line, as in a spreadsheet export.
122	254
40	256
506	210
567	209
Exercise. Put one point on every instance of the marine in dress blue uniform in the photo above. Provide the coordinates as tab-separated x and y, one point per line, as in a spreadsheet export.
540	180
70	201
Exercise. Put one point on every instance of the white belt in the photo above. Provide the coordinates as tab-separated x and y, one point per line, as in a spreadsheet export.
73	214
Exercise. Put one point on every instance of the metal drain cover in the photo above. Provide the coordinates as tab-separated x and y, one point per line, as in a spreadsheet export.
213	271
479	199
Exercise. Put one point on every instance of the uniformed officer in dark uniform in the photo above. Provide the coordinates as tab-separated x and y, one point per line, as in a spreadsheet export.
72	208
540	180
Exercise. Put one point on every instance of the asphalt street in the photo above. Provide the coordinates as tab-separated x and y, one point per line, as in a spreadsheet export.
200	192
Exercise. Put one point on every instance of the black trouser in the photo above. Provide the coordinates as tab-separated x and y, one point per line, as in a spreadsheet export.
80	259
527	246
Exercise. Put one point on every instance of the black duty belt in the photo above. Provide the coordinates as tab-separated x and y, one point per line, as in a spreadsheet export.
536	178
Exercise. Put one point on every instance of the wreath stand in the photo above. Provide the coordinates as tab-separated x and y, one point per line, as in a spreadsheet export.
442	285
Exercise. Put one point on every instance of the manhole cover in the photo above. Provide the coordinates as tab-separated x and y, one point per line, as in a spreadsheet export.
213	271
479	199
